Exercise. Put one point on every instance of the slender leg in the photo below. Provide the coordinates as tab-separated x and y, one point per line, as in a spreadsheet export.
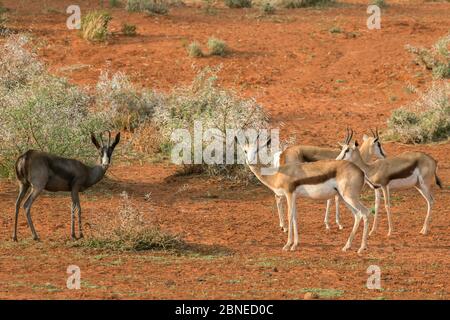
291	204
23	188
75	205
365	230
387	204
327	213
279	200
80	226
377	208
352	205
72	221
35	191
338	222
357	217
424	191
294	223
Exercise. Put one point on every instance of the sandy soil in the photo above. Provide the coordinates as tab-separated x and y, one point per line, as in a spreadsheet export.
314	83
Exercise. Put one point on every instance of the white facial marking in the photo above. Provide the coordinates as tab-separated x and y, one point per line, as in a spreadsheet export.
105	159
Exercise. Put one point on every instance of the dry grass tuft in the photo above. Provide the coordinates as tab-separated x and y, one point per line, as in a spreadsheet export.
130	231
94	26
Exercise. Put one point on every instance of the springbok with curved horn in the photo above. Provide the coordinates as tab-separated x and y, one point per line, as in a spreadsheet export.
304	153
404	171
43	171
316	180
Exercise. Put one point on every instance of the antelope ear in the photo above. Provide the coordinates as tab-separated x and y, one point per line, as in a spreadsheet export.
94	141
269	142
116	141
365	137
340	144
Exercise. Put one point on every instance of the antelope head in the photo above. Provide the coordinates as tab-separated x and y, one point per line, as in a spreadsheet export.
374	144
105	149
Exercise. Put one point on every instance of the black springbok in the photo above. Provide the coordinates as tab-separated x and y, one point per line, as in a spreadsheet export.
44	171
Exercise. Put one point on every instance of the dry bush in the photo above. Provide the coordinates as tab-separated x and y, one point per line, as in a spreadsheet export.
436	59
146	139
214	107
217	47
129	231
238	3
127	105
3	21
94	26
425	120
129	30
294	4
268	8
194	50
148	6
40	111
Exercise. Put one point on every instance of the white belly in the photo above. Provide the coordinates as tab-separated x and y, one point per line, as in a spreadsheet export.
405	183
321	191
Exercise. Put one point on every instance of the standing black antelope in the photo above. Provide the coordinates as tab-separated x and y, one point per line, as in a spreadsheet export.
316	180
43	171
303	153
404	171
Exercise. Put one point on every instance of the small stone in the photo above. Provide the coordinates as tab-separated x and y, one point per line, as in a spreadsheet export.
275	269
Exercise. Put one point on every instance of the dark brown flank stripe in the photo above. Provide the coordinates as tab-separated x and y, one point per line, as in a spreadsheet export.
404	173
312	180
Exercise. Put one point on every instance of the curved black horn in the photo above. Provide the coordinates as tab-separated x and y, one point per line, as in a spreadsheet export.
373	133
351	136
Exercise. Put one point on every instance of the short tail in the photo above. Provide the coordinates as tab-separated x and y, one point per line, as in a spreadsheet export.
438	181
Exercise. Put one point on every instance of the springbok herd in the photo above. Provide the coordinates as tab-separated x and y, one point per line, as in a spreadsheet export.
300	170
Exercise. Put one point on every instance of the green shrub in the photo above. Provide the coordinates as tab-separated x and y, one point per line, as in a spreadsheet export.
436	59
114	3
195	50
94	26
294	4
217	47
426	120
268	8
238	3
380	3
3	9
130	231
209	8
127	105
335	30
40	111
214	107
3	21
129	30
148	6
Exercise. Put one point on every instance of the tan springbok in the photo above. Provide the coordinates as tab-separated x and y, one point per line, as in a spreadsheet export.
407	170
316	180
371	147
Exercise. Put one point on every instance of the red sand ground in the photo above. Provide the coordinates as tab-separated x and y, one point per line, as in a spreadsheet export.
314	83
